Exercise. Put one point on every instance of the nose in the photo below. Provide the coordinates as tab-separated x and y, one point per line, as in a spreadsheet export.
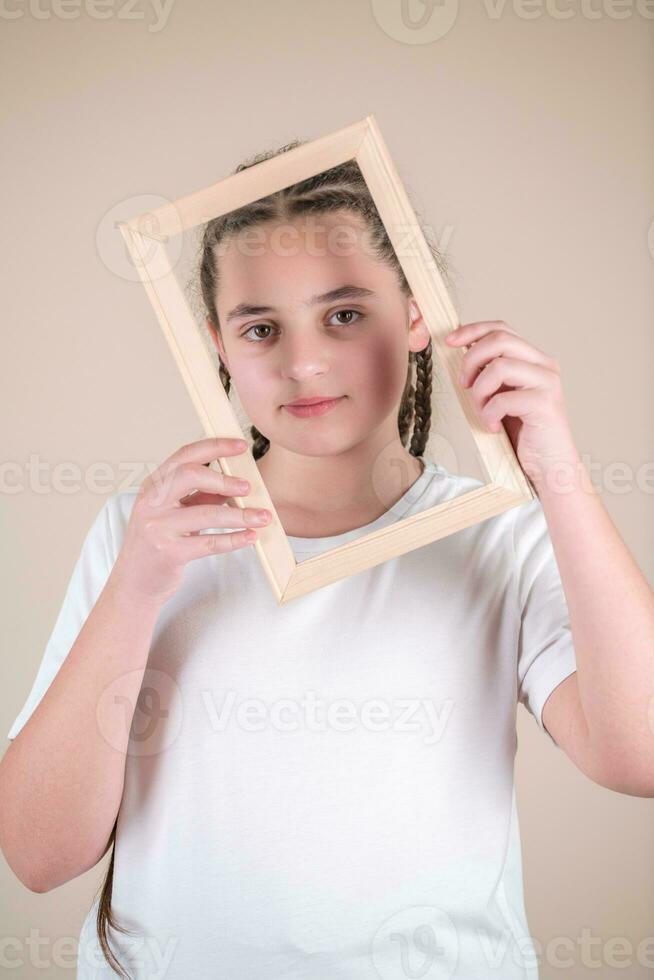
304	356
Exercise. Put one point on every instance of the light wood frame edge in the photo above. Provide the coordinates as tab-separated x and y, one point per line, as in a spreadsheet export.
508	486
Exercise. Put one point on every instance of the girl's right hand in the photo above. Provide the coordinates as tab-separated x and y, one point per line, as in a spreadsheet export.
162	534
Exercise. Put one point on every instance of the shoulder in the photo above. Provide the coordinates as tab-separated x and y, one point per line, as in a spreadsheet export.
518	536
524	522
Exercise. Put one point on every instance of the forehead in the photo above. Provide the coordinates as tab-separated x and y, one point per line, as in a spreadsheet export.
287	260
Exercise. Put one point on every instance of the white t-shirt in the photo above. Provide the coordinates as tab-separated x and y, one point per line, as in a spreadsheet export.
325	789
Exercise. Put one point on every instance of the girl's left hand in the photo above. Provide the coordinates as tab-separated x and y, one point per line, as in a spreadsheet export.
517	385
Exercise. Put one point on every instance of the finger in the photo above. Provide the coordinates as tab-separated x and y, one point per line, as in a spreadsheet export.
192	520
508	371
202	451
498	344
192	476
203	497
519	403
200	545
469	333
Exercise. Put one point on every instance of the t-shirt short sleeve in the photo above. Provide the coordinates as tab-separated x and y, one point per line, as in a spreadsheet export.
87	580
546	654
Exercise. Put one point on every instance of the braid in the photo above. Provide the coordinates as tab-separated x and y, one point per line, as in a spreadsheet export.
260	444
407	403
422	421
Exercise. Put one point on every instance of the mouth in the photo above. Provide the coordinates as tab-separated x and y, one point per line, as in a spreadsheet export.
307	408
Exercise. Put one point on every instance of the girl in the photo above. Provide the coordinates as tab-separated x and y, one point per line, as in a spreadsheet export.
325	789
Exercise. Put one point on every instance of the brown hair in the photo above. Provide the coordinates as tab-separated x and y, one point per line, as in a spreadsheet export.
340	187
105	918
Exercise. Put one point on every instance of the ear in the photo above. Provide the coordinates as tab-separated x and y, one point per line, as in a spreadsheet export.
419	335
215	336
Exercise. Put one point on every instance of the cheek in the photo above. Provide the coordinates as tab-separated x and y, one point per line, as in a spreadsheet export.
252	384
381	370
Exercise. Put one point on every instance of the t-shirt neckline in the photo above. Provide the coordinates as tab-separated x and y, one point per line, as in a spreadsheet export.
307	546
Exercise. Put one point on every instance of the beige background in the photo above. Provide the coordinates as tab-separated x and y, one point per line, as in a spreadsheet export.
525	138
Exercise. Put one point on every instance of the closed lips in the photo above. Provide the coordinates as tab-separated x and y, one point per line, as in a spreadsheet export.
313	401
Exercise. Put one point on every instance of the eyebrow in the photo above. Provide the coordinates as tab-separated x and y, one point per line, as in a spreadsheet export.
342	292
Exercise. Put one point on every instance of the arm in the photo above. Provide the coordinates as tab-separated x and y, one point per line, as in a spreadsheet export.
61	779
603	715
611	606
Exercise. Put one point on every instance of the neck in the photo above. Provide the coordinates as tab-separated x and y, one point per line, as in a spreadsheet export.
349	488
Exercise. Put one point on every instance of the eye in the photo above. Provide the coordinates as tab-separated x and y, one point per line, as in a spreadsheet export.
256	326
266	326
339	312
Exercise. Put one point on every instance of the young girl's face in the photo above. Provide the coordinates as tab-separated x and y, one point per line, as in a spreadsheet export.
284	337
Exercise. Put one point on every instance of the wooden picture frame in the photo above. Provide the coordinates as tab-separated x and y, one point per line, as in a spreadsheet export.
145	237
